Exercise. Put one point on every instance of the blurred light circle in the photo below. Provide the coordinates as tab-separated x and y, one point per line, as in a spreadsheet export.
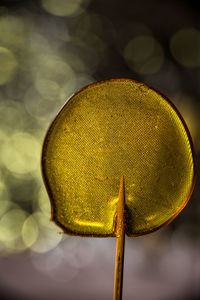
52	67
78	252
48	89
3	138
84	57
5	202
12	118
185	47
8	65
62	8
48	237
144	55
11	225
39	43
5	205
38	107
30	231
88	23
92	23
43	202
130	30
13	31
48	69
140	48
74	58
47	262
21	153
2	188
52	265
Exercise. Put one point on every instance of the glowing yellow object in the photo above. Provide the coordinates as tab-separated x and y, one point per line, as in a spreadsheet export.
106	130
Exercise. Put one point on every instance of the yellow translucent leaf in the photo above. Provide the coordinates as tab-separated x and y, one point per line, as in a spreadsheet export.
106	130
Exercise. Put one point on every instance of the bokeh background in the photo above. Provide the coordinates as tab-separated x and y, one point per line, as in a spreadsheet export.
48	50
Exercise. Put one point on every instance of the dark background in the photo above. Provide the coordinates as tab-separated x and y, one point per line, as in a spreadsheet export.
48	50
